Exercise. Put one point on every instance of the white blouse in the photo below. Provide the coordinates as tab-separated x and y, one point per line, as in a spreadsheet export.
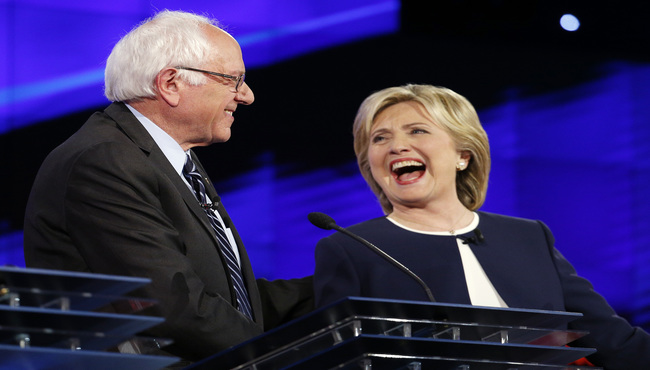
480	288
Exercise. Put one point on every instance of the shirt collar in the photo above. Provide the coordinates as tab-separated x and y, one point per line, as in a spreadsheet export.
170	148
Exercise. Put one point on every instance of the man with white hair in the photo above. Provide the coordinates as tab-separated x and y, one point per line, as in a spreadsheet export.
125	195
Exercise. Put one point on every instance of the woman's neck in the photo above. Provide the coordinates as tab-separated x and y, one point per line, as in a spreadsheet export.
430	219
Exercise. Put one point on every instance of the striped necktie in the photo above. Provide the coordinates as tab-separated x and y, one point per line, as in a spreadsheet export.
196	181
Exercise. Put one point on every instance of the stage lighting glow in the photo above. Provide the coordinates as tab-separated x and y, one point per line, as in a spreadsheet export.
569	22
35	89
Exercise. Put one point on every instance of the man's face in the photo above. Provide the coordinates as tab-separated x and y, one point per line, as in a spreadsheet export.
207	110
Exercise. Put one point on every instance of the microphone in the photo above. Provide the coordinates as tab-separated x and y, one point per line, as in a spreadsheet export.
325	222
209	206
476	239
479	235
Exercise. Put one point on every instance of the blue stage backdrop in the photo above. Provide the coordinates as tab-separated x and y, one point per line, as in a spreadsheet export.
576	159
52	53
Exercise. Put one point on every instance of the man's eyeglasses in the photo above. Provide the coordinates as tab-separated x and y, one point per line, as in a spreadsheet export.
239	80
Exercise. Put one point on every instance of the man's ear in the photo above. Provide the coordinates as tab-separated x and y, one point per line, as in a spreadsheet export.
167	84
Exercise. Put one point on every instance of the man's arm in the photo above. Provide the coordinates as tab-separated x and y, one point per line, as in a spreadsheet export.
285	300
125	217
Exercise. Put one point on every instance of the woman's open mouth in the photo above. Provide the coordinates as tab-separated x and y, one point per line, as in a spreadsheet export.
407	170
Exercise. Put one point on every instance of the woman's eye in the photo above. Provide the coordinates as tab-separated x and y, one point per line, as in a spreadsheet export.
418	131
377	139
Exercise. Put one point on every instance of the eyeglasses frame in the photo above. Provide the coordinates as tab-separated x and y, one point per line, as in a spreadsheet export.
239	80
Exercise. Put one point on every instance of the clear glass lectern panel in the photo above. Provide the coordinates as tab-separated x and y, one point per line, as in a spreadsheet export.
450	337
53	319
386	331
382	362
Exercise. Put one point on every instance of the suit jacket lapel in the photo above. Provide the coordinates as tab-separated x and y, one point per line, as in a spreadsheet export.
246	267
139	135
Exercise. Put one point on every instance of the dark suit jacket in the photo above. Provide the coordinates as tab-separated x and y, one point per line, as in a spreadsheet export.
517	255
108	201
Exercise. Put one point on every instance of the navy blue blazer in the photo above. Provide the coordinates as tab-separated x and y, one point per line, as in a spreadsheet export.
518	256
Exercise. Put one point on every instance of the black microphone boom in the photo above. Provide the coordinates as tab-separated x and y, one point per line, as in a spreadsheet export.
325	222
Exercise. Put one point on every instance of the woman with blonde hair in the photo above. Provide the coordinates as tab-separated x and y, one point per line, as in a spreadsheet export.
426	157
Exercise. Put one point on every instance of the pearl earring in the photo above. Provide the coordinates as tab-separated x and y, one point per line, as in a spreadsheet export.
460	166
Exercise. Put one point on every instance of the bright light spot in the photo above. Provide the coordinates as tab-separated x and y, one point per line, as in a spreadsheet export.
569	22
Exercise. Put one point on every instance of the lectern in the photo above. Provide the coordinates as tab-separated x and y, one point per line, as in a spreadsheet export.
48	320
366	333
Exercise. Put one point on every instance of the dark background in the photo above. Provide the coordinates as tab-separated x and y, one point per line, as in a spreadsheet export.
304	107
492	52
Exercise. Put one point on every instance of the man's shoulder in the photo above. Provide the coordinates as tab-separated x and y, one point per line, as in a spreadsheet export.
100	141
105	127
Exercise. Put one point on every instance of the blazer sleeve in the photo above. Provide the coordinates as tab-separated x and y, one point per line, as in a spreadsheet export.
117	220
285	300
619	345
335	274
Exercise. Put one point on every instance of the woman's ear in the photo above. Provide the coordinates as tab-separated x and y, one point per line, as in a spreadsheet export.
464	157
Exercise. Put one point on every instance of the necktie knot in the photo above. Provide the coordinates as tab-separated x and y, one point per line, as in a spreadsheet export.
195	180
189	166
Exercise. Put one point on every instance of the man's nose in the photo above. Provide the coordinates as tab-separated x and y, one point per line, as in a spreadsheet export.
245	95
